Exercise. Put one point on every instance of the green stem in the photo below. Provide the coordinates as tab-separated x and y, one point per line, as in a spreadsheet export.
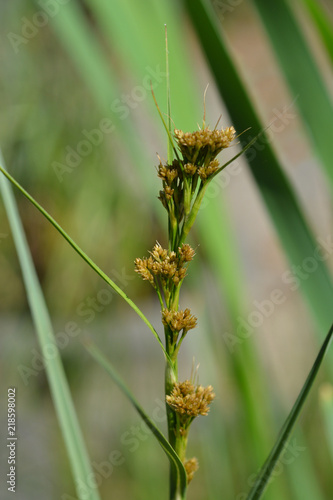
187	196
173	225
175	298
189	221
179	343
180	446
158	291
171	377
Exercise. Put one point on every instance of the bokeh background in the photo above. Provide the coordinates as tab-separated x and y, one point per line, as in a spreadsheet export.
80	132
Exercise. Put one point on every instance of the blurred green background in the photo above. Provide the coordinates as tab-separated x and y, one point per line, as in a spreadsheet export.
80	132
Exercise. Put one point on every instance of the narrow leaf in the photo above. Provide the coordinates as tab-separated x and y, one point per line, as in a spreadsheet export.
170	140
323	23
326	406
251	143
266	471
164	443
302	76
76	449
282	204
87	259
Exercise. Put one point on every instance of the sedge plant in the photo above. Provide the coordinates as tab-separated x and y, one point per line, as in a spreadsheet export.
191	165
185	178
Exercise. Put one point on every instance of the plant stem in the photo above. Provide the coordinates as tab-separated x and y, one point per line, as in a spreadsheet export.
189	221
171	377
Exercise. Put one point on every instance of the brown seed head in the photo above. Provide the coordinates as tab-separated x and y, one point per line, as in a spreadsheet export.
168	192
205	172
191	466
186	253
168	268
179	320
190	169
159	253
141	267
165	264
168	173
179	275
195	146
190	400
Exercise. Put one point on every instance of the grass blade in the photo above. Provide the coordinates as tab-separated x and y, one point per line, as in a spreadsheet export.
303	78
78	456
326	406
265	473
91	60
281	202
167	448
85	257
323	24
78	39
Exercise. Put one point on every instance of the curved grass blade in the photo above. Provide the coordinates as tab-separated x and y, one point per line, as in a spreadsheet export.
164	443
323	24
267	469
69	424
304	79
326	406
85	257
245	148
168	131
92	62
282	204
78	39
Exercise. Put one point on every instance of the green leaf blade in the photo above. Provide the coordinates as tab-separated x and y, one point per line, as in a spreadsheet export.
164	443
302	75
68	421
281	202
267	469
87	259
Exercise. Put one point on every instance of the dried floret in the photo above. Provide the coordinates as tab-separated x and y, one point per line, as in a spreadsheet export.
186	253
190	400
179	320
191	466
197	146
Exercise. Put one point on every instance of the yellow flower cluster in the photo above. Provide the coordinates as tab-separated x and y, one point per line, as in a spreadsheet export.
164	264
190	400
168	173
197	164
179	320
191	466
197	146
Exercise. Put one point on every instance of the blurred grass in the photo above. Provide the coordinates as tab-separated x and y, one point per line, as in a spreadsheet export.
61	395
302	75
64	81
322	18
